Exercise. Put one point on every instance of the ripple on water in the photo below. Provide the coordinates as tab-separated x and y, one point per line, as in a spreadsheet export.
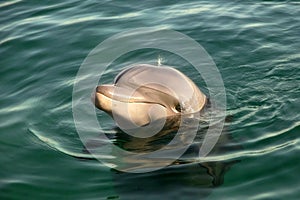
255	46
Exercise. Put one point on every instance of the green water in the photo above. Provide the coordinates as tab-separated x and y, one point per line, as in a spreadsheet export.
256	47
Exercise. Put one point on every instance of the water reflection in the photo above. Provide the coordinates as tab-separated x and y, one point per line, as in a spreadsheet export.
187	176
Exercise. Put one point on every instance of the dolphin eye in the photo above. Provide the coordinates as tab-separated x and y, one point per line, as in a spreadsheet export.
178	107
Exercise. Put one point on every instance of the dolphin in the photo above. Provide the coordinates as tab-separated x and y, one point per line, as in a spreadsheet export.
143	93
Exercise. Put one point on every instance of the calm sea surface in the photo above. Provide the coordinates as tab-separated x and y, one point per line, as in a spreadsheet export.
256	47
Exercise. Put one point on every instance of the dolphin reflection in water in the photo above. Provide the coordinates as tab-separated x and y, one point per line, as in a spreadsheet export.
145	99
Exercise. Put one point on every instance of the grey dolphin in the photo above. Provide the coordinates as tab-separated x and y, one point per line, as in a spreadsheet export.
149	93
143	93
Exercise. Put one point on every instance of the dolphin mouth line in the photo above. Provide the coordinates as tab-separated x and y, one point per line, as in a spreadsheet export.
131	100
125	99
125	96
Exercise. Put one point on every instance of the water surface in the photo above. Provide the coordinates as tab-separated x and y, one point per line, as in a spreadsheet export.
42	45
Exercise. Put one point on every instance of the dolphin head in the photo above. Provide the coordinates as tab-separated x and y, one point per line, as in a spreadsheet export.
144	93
